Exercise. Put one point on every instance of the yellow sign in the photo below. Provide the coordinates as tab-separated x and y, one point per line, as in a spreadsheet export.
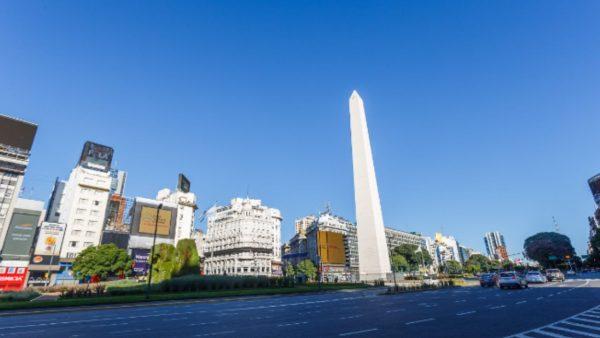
331	247
148	221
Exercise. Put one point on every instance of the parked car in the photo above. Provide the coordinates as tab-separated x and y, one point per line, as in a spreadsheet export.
511	279
555	275
535	277
487	279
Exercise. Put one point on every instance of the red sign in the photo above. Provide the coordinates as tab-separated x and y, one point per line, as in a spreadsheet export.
12	278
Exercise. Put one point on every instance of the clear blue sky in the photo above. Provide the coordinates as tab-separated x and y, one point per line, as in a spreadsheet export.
483	116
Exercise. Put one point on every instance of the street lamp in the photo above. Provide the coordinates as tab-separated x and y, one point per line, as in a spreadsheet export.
152	251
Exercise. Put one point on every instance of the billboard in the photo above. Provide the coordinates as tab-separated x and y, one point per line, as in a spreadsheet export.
183	184
140	261
50	239
96	156
594	184
12	278
149	221
330	246
21	231
15	133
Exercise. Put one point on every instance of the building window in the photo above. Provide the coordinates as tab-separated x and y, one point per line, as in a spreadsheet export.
94	212
71	254
96	203
73	244
83	200
80	211
78	221
92	223
76	232
87	244
89	234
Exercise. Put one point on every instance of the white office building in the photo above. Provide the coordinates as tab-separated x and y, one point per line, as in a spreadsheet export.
446	248
81	201
493	240
243	238
186	207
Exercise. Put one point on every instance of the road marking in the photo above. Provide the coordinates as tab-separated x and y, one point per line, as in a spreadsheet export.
465	313
419	321
214	333
521	302
205	323
395	310
497	307
460	301
112	324
291	324
351	317
539	298
576	328
357	332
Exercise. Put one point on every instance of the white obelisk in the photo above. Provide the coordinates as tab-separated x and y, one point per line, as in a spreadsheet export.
373	258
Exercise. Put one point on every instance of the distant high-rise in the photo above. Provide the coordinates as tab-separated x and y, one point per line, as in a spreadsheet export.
372	247
494	240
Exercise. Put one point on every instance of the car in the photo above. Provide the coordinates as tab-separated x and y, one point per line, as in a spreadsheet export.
487	279
510	280
554	275
535	277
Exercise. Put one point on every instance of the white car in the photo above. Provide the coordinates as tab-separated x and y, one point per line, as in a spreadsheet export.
510	280
535	277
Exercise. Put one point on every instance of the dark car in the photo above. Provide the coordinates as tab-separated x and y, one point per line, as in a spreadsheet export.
487	279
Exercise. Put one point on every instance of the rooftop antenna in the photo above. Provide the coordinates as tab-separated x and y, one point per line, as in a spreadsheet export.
556	229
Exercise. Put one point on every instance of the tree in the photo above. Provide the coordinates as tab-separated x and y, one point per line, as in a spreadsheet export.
453	267
508	265
307	268
478	263
187	260
289	271
399	263
548	248
102	261
164	262
415	256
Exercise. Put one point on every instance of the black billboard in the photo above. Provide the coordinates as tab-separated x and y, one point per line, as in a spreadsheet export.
594	184
183	183
96	156
16	133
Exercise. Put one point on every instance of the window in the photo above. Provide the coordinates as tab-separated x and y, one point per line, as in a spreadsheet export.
94	212
2	269
71	254
83	200
89	234
80	211
12	269
76	232
21	270
78	221
87	244
92	223
73	244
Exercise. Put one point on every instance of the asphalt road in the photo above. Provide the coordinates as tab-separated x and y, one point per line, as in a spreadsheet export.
457	312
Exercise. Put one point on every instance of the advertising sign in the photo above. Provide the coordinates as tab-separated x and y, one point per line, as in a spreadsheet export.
183	184
15	133
12	278
21	231
50	239
148	221
140	261
96	156
331	247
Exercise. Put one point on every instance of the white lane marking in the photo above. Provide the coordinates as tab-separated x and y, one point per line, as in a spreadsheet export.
497	307
395	310
460	301
591	315
351	317
588	320
172	319
419	321
539	298
543	329
204	323
465	313
560	328
357	332
570	322
214	333
521	302
291	324
111	324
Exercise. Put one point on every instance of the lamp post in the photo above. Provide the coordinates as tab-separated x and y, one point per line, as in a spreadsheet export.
152	251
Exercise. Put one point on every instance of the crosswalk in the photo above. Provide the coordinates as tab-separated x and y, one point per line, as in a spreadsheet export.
584	324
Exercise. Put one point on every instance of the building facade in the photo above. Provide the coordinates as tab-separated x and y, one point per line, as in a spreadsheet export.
243	238
492	241
446	249
186	208
16	140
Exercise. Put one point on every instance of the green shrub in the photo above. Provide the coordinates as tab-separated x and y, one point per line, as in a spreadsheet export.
19	296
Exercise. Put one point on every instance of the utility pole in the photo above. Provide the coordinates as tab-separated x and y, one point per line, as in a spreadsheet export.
152	251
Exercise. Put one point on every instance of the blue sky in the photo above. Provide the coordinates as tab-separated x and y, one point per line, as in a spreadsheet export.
483	116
